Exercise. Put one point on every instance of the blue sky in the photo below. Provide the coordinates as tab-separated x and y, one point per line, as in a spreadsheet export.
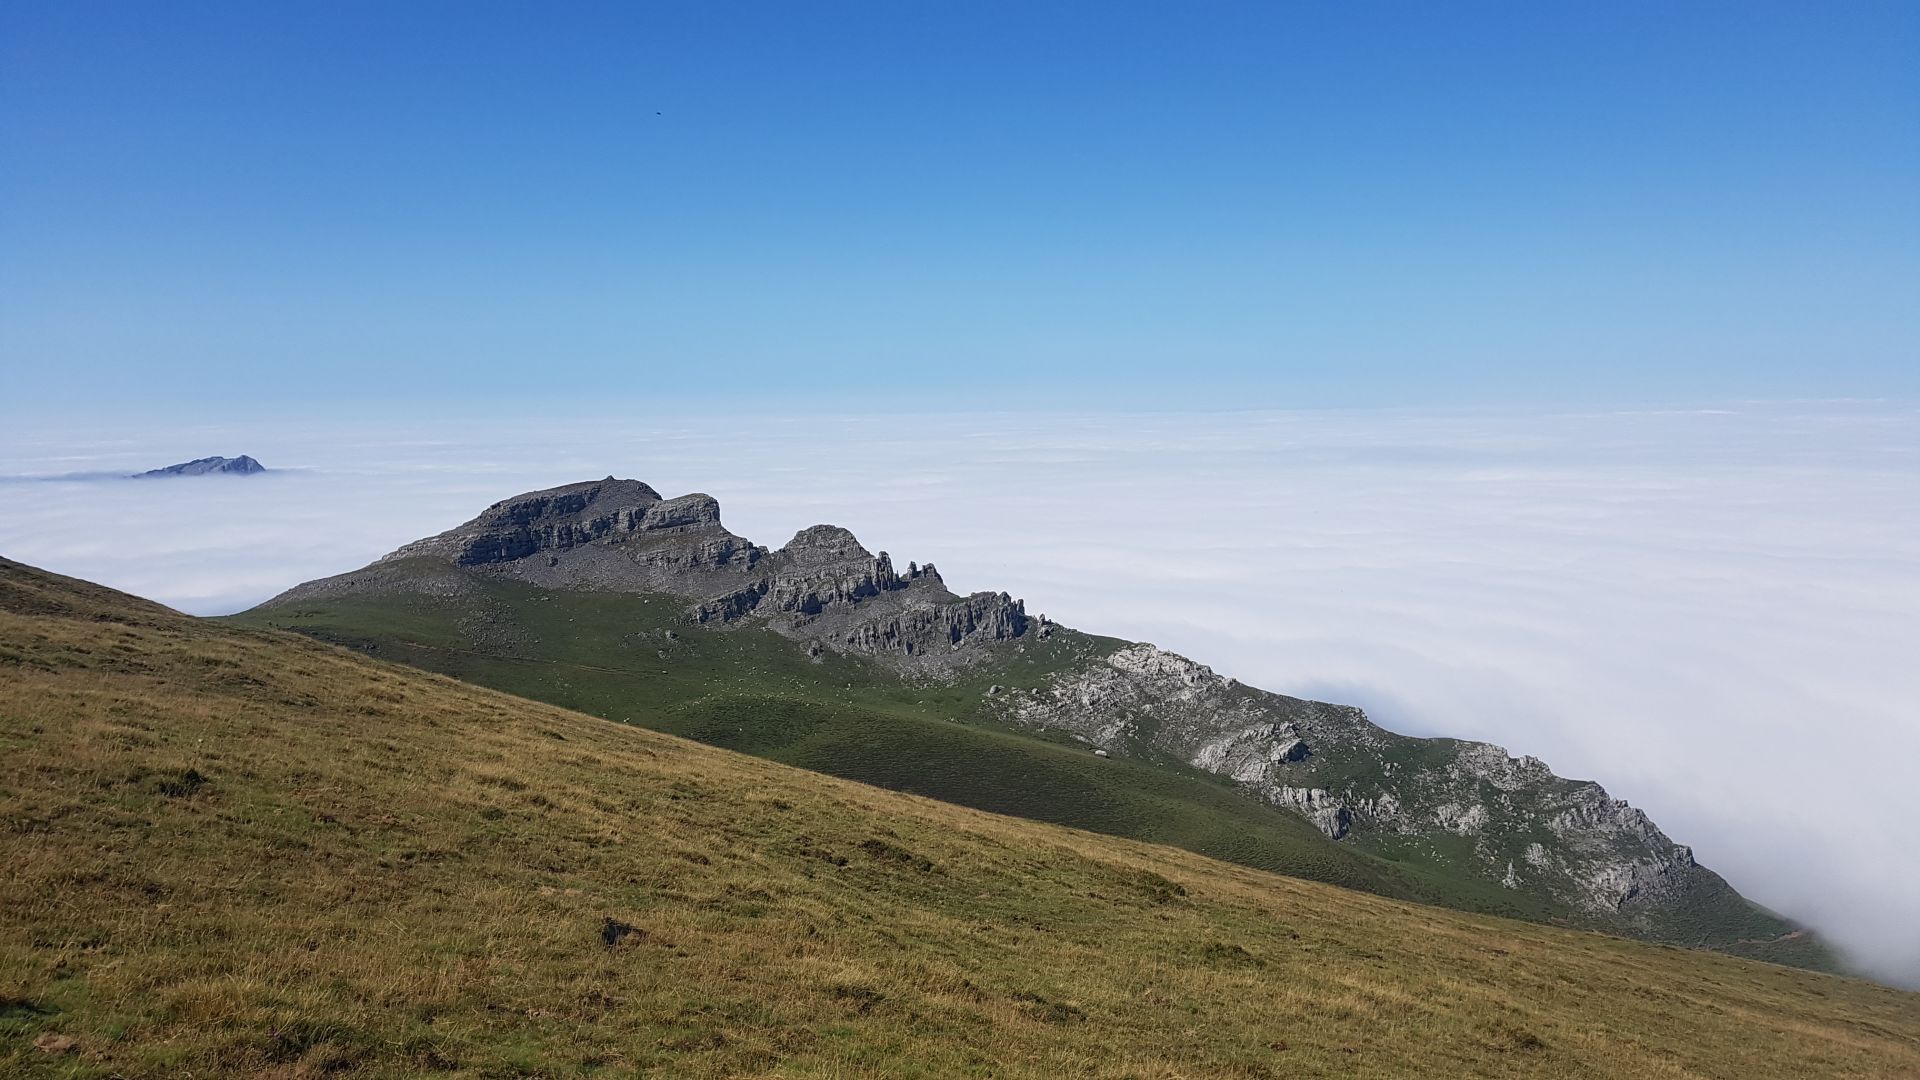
278	206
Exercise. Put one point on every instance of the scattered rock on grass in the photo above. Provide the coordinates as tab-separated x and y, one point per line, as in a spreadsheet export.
51	1043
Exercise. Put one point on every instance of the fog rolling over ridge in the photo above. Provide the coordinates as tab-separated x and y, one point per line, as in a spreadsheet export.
1711	611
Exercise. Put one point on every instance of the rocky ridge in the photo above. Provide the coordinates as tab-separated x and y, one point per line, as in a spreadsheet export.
1527	828
823	586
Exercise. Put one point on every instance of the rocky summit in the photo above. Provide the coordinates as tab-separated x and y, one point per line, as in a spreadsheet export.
1503	833
823	587
211	466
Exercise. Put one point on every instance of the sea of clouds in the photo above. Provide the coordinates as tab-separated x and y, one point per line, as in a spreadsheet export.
1714	612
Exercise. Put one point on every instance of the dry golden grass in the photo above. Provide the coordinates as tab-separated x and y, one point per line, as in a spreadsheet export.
233	852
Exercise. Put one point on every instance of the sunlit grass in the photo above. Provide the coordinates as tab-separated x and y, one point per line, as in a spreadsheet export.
235	851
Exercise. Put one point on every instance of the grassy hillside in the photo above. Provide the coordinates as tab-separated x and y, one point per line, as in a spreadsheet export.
638	659
237	851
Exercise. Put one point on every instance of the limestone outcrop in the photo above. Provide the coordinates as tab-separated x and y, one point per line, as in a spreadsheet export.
823	585
1330	764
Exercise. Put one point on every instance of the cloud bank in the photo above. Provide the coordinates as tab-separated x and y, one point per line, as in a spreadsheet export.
1715	613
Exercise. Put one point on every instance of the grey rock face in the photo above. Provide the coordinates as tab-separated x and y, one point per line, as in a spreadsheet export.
1353	779
621	535
603	534
825	586
562	519
209	466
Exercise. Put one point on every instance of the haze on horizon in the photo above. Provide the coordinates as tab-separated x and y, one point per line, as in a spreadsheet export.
934	273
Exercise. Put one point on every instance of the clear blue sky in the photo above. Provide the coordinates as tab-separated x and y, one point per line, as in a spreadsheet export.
267	204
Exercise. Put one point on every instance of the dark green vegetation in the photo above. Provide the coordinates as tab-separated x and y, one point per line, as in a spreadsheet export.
233	851
637	659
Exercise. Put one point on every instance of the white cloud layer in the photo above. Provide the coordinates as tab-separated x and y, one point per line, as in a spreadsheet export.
1715	613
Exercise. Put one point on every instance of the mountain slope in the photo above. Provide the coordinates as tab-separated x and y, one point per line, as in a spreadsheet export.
603	596
233	851
635	658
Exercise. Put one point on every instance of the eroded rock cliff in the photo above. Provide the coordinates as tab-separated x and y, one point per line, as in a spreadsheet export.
823	586
1525	827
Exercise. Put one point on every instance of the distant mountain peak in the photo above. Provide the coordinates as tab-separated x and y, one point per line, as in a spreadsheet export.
211	466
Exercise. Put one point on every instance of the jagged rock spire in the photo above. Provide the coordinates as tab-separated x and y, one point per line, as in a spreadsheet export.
823	585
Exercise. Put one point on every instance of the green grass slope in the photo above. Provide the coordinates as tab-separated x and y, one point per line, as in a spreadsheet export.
232	851
637	659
